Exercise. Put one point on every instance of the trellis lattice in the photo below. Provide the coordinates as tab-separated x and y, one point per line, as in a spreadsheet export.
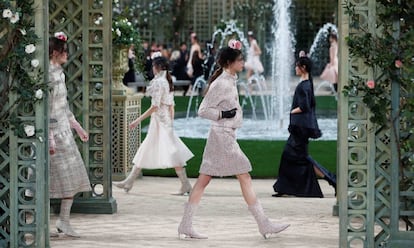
368	176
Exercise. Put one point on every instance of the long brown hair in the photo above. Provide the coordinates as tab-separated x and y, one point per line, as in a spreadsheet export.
162	64
56	44
225	57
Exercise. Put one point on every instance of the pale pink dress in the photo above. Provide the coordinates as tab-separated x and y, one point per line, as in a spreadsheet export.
330	73
253	59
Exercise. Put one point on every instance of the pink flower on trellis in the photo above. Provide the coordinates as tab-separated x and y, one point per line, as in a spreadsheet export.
398	63
371	84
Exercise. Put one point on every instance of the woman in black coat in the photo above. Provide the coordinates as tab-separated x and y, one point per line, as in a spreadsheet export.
298	172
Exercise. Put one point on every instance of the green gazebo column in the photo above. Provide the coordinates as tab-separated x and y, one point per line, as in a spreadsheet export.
88	25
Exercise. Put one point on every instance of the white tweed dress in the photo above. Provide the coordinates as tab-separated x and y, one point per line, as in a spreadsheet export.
68	174
161	148
222	155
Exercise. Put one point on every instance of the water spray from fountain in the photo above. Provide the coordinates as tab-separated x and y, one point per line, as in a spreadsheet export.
229	31
282	60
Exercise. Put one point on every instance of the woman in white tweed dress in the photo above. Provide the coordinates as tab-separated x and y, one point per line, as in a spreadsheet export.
222	154
68	174
162	148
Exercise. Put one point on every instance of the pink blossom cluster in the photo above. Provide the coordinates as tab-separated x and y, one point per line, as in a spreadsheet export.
235	44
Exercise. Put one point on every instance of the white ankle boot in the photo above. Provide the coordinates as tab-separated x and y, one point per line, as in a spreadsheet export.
62	224
266	227
129	181
66	228
185	229
185	183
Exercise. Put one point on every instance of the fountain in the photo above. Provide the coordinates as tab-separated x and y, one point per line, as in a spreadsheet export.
275	95
319	52
200	83
282	61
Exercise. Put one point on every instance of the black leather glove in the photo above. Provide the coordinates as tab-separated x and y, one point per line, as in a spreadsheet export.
228	113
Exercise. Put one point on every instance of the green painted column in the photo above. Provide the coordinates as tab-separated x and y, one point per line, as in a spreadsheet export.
88	25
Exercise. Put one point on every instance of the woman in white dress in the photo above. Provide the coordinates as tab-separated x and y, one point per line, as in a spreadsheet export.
222	154
68	175
253	64
161	148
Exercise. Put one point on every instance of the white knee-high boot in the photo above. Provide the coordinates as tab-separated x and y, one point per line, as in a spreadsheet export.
129	181
185	229
62	224
185	183
266	227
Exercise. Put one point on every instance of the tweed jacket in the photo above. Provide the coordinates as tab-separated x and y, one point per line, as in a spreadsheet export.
221	96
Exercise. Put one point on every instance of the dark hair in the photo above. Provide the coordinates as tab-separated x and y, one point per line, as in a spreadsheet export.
333	35
225	57
162	64
56	44
306	63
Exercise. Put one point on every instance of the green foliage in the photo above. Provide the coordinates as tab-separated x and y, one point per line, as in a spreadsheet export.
21	72
165	18
125	32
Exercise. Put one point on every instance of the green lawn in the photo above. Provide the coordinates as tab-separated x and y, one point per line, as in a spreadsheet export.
264	155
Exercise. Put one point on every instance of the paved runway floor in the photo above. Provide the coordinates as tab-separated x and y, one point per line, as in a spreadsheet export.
148	216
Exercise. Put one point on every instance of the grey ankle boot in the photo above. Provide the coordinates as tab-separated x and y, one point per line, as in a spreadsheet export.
129	181
266	227
185	229
62	224
185	183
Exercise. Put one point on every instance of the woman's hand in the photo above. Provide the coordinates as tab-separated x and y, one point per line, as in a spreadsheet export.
83	135
134	124
52	144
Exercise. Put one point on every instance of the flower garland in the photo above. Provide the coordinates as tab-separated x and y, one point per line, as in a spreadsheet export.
21	73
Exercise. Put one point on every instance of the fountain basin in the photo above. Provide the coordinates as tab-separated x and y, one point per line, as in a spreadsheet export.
252	129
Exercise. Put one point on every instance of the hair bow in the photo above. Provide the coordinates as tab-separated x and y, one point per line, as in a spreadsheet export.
61	36
156	55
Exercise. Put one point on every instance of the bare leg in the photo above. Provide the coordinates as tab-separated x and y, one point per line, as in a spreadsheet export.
318	172
247	189
249	74
198	189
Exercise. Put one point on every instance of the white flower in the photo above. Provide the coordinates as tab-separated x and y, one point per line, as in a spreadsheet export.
35	63
30	48
116	1
15	18
29	130
118	32
7	13
39	94
23	31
